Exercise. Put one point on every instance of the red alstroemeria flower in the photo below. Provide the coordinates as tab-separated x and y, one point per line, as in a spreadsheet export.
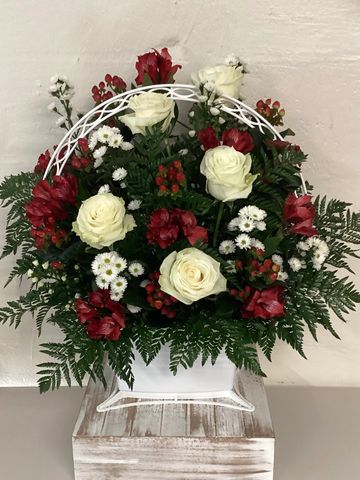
100	325
300	213
265	304
207	138
241	141
157	66
43	162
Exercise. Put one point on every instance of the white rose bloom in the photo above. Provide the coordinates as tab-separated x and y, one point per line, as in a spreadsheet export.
226	78
149	108
102	220
190	275
227	173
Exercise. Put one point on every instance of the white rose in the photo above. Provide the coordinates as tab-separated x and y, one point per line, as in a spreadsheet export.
149	108
226	78
227	173
102	220
190	275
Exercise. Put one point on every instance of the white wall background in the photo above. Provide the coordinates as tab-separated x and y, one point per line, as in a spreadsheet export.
306	53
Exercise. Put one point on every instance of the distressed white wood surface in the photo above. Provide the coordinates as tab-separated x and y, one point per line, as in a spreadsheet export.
181	442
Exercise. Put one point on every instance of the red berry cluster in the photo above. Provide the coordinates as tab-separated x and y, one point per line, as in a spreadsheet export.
240	294
169	179
267	270
271	112
159	299
106	89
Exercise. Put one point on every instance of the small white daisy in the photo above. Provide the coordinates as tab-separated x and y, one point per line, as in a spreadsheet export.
133	308
234	224
296	264
101	282
100	152
277	259
282	276
319	257
116	296
246	224
119	284
93	140
126	146
119	263
323	248
119	174
226	247
109	273
116	140
134	205
105	133
304	246
97	266
257	244
136	269
104	189
253	212
98	162
243	241
260	226
107	258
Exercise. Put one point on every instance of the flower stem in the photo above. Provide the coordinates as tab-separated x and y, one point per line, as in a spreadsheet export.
217	224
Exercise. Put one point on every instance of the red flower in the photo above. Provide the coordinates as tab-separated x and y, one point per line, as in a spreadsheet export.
42	162
100	325
266	304
300	213
207	138
156	67
241	141
281	145
162	228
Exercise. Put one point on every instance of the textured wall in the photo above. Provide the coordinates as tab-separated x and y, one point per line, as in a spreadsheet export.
305	53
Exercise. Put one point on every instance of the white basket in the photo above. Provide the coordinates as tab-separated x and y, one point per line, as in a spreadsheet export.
155	383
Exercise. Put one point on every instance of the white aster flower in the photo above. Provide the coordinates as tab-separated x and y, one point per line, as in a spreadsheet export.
107	258
104	189
119	174
119	284
93	140
116	140
234	224
319	257
226	247
126	146
136	269
246	224
105	133
260	226
97	266
134	205
296	264
323	248
282	276
100	152
98	162
101	282
119	263
51	107
133	308
253	212
277	259
243	241
304	246
257	244
109	273
116	296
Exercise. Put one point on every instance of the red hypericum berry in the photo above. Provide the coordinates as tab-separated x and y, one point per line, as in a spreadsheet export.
276	104
171	314
56	264
162	168
273	276
102	85
175	188
254	273
163	188
268	101
180	177
108	78
159	180
268	263
255	264
150	287
177	164
158	304
275	268
262	269
233	292
238	265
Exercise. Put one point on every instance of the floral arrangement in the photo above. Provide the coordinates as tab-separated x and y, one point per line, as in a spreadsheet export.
194	233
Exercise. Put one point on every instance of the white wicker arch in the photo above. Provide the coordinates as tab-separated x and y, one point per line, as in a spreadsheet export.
119	103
